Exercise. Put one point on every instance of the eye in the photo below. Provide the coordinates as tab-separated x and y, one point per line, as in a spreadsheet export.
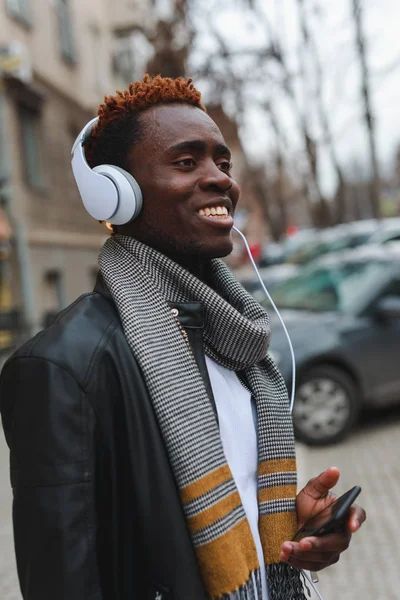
186	162
225	166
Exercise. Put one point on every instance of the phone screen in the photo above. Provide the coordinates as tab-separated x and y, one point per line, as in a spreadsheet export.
331	518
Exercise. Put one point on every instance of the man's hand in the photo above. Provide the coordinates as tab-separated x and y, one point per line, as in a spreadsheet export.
316	553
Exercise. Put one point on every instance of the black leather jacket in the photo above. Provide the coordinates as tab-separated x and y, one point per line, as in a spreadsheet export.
96	510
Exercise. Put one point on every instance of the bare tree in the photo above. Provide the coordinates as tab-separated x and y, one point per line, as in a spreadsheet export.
171	39
317	204
339	212
269	63
255	179
323	216
279	191
374	188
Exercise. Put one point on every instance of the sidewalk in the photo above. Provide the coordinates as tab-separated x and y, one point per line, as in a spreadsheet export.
370	568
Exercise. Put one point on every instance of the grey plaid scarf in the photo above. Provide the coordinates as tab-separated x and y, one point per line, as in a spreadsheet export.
236	335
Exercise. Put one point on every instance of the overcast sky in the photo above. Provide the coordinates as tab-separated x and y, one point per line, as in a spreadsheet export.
333	30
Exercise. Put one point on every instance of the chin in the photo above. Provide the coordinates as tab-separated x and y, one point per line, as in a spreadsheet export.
197	249
225	252
219	251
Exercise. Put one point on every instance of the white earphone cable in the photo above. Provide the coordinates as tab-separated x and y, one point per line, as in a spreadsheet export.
312	584
292	355
279	316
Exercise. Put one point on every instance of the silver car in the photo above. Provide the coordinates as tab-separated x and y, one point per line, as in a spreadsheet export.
343	317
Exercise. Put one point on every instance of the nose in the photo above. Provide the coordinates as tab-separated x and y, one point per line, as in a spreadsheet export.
213	177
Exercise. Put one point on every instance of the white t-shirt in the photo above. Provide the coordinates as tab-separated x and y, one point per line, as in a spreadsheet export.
238	428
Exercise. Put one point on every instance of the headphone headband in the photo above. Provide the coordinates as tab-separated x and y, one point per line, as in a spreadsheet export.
84	135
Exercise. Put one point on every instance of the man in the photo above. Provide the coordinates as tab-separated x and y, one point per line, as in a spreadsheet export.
152	454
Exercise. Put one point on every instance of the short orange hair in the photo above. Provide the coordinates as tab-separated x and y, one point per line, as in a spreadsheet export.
118	126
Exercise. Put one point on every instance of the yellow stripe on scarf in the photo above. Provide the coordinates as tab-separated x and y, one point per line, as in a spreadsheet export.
282	465
226	563
217	511
205	484
279	527
276	493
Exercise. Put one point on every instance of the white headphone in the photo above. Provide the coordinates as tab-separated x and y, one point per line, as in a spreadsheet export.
108	192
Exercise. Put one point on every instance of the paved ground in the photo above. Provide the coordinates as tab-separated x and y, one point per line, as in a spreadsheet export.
370	569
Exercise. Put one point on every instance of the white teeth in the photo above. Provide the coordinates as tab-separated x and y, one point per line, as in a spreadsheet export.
214	211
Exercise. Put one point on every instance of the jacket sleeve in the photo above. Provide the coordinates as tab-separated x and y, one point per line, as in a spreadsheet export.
49	429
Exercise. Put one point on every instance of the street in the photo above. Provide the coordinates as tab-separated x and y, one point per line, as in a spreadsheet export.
369	570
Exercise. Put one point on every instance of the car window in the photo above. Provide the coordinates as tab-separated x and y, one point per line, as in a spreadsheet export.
359	239
335	288
315	290
393	238
393	289
358	279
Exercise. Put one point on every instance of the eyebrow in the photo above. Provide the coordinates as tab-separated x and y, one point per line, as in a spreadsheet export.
198	146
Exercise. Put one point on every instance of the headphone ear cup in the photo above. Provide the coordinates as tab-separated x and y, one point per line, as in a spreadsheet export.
108	193
136	190
130	198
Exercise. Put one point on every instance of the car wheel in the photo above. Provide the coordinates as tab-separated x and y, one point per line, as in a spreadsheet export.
326	405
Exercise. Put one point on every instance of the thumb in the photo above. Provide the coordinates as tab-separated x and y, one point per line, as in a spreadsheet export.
319	486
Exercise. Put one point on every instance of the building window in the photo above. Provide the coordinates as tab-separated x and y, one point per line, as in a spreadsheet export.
132	52
97	59
20	9
31	146
55	290
54	295
67	46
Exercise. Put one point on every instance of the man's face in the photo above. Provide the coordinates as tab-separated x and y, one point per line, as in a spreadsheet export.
183	168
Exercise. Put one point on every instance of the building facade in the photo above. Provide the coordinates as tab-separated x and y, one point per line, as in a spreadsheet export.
58	58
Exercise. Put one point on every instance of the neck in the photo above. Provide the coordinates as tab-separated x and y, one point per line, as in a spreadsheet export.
196	266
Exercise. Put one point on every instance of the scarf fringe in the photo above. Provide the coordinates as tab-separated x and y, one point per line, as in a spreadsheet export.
286	583
251	590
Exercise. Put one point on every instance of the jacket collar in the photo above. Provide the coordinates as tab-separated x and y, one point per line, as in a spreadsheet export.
100	286
189	314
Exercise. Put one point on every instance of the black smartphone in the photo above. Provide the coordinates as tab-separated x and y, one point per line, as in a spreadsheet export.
330	519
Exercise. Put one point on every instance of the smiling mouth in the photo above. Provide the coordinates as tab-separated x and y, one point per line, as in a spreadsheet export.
214	212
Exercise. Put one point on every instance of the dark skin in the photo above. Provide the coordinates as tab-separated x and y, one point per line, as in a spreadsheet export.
316	553
182	165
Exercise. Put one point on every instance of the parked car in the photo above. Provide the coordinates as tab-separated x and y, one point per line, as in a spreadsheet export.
343	317
271	277
389	231
360	232
334	239
294	242
272	253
